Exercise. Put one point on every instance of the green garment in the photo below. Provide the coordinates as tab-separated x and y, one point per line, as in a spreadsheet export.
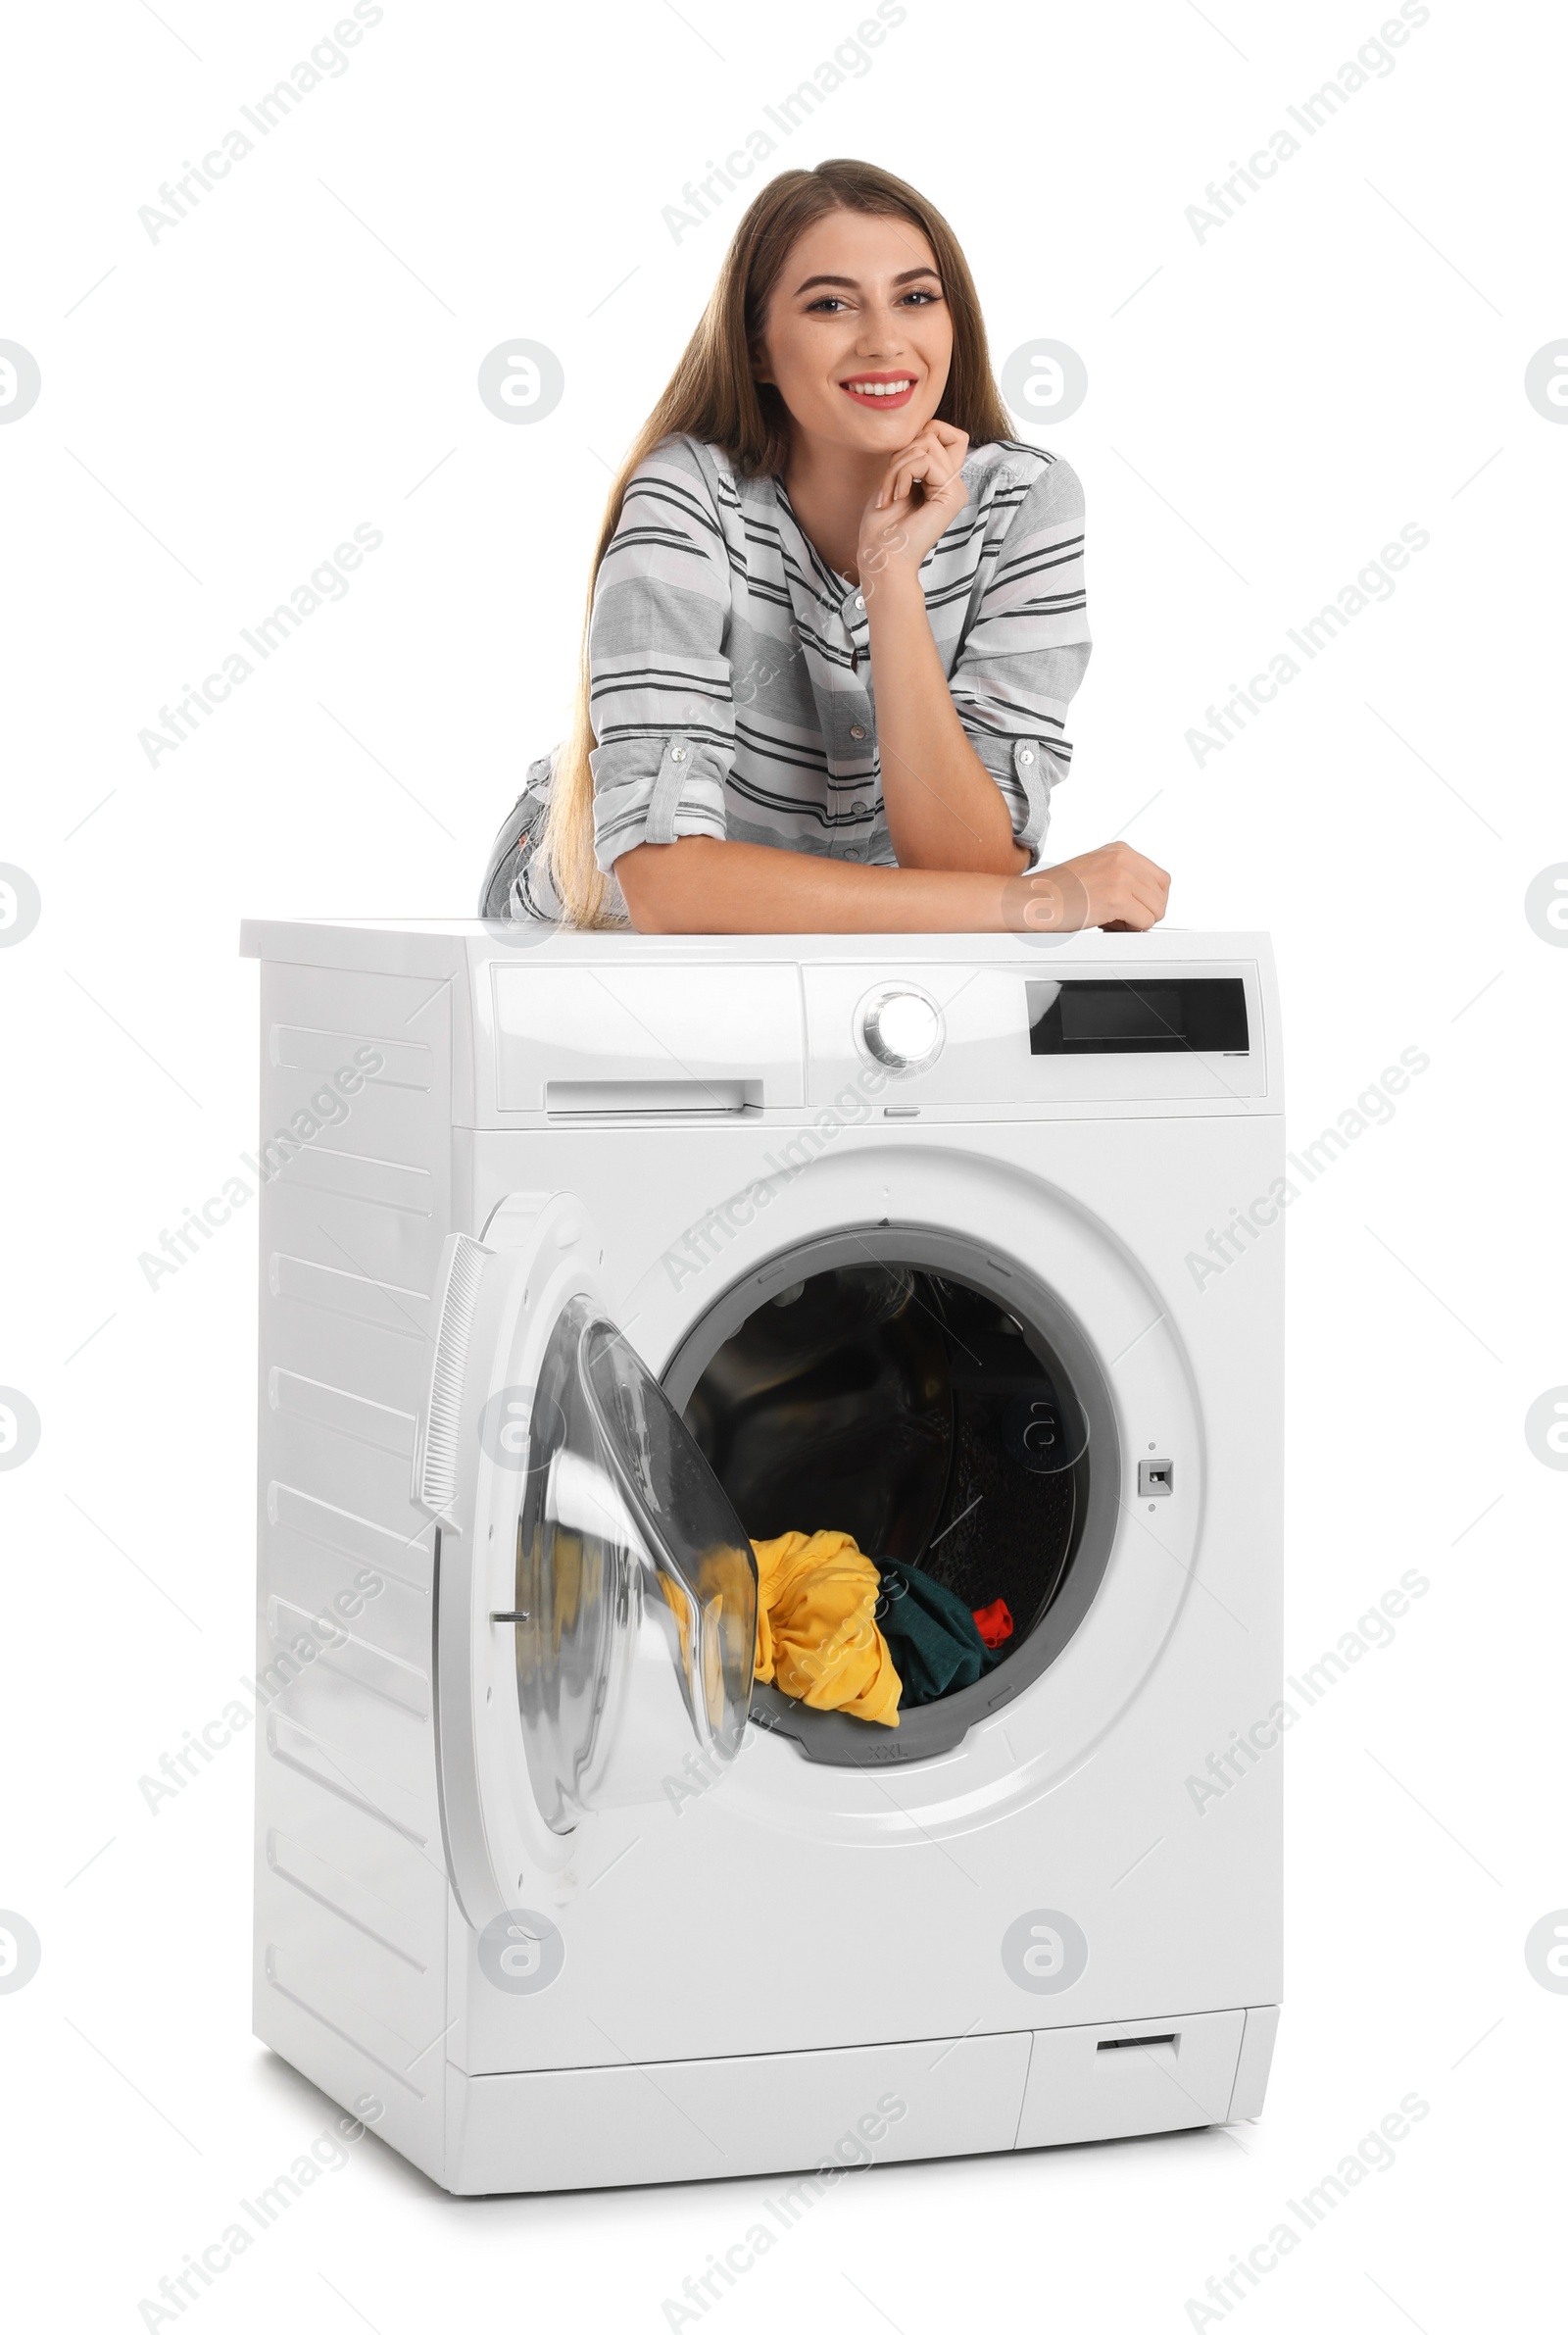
931	1634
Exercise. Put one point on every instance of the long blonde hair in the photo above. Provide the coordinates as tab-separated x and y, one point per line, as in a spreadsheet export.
712	396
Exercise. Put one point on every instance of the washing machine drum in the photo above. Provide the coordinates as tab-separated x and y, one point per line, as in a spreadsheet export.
907	1409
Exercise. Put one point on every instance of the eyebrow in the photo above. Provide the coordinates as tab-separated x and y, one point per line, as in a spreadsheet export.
851	282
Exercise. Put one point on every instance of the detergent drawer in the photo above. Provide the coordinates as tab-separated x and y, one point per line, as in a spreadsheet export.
1143	2075
602	1039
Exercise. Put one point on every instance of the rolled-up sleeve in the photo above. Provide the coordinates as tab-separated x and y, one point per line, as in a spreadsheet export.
1024	655
660	677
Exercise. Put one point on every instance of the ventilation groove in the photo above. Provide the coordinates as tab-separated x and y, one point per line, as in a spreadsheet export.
438	1464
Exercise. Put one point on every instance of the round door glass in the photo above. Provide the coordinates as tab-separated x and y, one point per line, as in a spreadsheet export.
635	1587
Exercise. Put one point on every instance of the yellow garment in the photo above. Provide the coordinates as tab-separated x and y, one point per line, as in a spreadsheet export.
816	1636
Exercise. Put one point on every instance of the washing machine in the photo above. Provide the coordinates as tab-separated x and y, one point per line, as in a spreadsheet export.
588	1260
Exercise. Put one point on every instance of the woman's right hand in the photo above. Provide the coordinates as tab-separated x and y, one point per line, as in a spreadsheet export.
1114	887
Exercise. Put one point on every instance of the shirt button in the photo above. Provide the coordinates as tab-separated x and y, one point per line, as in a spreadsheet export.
860	598
677	754
1024	754
856	730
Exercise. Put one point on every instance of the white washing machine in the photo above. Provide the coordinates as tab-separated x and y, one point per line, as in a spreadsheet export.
584	1258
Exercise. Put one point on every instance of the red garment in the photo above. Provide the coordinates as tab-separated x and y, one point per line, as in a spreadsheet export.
994	1623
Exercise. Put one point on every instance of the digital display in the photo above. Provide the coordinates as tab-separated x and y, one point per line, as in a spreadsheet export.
1206	1014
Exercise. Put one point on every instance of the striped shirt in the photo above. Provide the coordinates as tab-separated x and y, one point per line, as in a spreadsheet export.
731	667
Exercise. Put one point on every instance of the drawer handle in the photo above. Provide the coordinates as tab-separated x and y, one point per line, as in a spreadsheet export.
711	1098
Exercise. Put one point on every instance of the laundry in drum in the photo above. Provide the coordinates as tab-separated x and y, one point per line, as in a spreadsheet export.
994	1623
934	1637
817	1635
917	1433
839	1631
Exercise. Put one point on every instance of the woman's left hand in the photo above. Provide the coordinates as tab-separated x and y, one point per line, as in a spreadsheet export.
896	529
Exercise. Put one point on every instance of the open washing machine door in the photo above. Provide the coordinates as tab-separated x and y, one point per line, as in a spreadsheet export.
596	1594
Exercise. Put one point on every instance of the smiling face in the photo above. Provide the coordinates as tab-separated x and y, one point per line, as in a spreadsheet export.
857	338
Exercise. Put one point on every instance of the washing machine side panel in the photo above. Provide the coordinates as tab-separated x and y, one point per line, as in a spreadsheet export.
354	1202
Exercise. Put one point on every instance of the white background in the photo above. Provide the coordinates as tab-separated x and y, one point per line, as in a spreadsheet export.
1266	408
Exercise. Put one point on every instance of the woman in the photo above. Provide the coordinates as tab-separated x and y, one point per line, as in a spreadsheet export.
836	618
